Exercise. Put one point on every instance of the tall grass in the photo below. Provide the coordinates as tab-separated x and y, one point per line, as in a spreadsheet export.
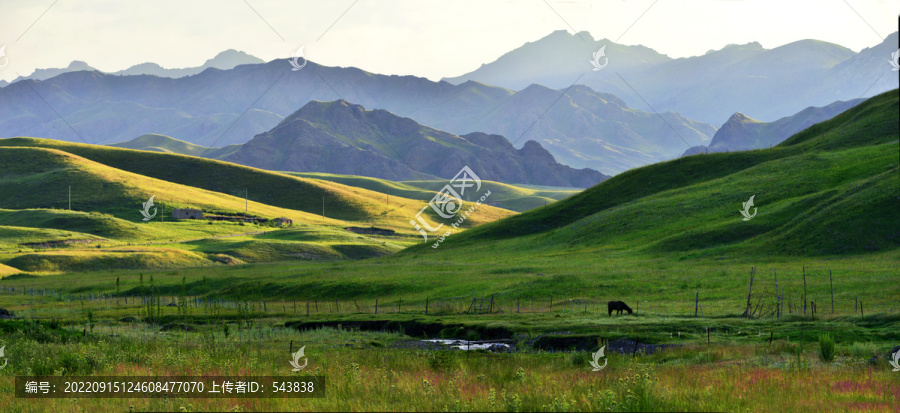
826	348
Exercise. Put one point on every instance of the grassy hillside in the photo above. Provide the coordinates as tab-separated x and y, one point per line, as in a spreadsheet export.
830	189
40	177
517	198
167	144
105	230
341	202
111	235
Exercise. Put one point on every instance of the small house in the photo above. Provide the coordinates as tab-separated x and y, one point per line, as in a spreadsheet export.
283	221
186	213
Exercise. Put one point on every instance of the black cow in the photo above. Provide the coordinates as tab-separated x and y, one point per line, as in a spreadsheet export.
618	306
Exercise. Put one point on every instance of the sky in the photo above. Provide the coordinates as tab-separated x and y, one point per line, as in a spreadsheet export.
427	38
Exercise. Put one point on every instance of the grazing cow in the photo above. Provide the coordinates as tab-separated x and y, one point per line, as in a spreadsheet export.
618	306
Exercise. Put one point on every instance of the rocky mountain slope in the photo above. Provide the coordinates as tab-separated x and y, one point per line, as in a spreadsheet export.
343	138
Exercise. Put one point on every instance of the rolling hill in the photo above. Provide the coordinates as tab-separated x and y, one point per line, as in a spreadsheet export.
105	231
830	189
517	198
512	197
168	144
273	189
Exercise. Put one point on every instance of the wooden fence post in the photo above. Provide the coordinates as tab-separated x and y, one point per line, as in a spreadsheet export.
804	290
831	281
398	304
426	305
376	307
752	271
551	304
776	283
517	303
696	303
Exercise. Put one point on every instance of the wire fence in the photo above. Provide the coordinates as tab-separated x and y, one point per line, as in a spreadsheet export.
774	293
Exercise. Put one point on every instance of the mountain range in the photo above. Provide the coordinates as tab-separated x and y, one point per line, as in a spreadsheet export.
578	125
743	133
583	128
224	60
766	84
343	138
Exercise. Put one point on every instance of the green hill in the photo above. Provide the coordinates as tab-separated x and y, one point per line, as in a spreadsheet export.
517	198
105	231
829	189
356	206
167	144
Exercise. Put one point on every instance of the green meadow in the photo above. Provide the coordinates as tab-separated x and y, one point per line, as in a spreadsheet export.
794	309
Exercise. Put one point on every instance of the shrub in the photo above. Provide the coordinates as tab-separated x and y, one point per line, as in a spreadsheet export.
473	335
826	348
863	350
580	359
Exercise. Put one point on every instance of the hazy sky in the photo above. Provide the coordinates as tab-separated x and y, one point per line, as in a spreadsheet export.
427	38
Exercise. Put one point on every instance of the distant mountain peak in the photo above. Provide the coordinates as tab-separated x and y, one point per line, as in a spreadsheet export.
741	118
345	138
752	46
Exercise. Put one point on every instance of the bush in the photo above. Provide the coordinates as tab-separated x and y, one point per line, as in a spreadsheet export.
863	350
451	332
395	326
473	335
826	348
580	359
